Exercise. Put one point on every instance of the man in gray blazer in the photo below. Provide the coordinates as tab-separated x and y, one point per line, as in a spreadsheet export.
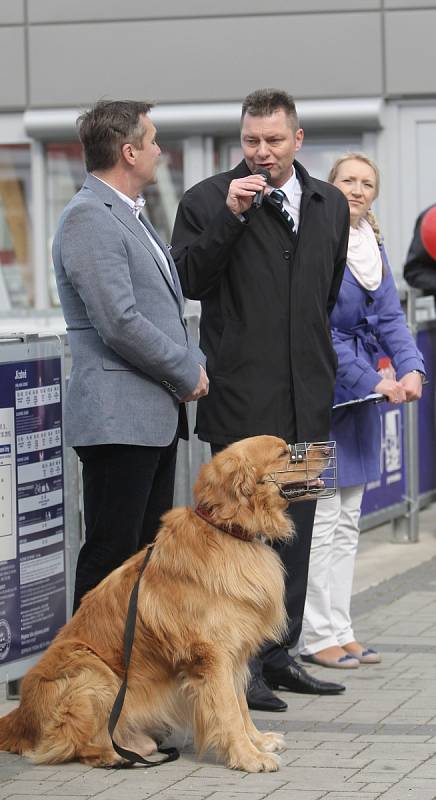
133	363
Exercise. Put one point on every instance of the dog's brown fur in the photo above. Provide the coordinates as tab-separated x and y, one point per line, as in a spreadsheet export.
207	600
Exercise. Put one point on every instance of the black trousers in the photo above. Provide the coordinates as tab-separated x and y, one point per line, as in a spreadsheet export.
295	556
126	489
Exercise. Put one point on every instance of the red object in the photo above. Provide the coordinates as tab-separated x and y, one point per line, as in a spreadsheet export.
428	231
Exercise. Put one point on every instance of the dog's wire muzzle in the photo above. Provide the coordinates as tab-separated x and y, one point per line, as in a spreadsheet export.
317	457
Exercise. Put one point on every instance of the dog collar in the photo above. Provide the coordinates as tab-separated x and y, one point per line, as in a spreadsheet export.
233	528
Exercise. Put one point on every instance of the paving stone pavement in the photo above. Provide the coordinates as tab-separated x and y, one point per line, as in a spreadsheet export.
378	740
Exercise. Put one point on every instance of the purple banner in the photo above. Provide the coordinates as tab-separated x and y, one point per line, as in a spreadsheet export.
389	489
427	413
32	541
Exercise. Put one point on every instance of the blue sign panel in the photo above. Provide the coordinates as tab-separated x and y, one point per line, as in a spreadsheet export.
427	414
32	542
390	488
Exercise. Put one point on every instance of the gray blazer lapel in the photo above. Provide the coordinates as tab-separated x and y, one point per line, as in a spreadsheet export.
164	247
122	212
137	228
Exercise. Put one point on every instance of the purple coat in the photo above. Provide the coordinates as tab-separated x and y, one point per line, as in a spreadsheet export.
365	326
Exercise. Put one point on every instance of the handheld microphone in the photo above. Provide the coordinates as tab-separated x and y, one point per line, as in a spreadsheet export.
258	197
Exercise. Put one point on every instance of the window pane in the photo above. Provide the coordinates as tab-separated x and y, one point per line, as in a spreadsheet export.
16	283
319	157
164	197
66	173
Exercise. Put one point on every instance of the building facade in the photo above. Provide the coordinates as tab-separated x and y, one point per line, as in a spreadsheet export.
362	72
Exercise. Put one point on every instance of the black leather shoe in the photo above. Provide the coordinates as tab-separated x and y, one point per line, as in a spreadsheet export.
260	698
294	678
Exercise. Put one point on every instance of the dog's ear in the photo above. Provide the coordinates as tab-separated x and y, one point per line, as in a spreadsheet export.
240	474
228	481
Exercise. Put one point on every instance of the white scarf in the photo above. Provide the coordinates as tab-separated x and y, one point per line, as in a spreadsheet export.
363	256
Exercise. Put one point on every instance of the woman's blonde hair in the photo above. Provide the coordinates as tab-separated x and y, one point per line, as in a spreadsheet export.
366	160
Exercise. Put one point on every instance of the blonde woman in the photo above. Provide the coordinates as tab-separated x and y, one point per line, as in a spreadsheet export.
366	322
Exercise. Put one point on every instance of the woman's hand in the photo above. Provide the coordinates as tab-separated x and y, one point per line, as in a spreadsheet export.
412	383
393	390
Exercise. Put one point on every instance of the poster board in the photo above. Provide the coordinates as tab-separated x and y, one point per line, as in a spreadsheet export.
34	570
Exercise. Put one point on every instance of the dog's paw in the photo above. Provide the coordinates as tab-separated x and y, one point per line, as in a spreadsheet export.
262	762
271	743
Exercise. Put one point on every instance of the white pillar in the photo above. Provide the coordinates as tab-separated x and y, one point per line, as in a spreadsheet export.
39	225
193	161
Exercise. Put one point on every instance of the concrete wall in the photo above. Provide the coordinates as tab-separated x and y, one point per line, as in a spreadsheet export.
58	53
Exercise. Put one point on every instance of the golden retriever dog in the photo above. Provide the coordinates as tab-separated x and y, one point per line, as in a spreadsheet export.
211	593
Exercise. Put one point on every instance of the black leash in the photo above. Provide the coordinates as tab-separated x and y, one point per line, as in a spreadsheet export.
170	753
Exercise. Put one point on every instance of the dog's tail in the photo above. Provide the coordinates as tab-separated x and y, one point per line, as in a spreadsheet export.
14	733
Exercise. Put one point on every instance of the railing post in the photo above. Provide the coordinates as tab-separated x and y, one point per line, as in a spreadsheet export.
406	529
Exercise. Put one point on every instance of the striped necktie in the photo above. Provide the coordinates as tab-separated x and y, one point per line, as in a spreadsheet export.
276	197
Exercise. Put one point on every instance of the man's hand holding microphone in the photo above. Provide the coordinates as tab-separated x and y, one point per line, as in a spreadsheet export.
247	192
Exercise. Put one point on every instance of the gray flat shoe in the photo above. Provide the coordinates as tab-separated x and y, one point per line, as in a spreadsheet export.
367	656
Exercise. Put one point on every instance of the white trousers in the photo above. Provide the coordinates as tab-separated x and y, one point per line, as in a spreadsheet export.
327	620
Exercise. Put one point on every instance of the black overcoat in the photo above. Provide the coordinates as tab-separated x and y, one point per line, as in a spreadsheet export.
265	303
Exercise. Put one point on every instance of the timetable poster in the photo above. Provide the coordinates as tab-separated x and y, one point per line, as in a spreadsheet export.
32	552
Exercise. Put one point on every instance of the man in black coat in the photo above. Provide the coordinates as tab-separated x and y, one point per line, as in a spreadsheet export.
267	284
420	267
